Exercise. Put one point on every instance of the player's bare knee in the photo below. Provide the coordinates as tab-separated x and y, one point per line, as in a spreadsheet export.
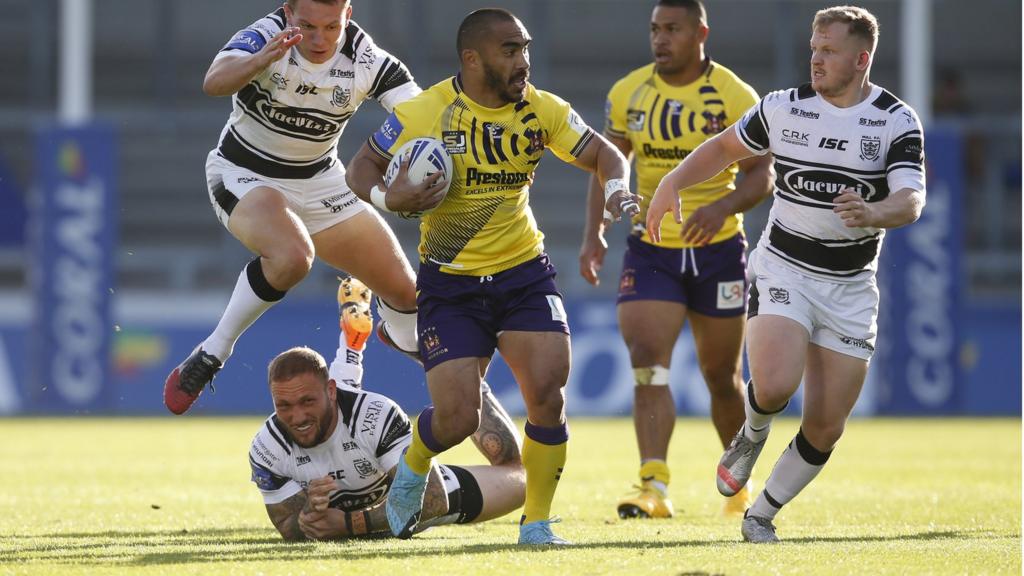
458	422
651	376
723	382
289	264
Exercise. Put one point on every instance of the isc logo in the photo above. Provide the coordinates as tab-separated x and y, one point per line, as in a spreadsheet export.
833	144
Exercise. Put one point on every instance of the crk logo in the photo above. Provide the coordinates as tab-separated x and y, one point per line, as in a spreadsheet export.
795	137
778	295
833	144
870	147
279	80
303	89
302	460
454	141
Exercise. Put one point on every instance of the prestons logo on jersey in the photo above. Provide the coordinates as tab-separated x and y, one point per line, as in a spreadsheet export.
501	178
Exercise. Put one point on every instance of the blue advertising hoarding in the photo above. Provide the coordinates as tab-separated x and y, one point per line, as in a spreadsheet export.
73	227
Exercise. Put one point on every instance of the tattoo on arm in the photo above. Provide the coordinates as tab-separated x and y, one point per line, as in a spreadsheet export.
285	516
497	438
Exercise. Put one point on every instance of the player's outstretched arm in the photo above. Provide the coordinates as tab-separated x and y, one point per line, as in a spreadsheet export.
594	247
612	170
285	516
230	72
704	223
899	209
702	164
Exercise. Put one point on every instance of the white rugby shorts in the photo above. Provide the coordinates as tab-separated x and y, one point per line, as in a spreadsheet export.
838	316
320	202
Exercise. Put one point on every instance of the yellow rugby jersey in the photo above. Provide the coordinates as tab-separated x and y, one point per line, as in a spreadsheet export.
664	123
484	225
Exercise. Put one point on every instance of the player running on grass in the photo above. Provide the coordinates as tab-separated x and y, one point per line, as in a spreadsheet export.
484	280
296	76
850	162
658	114
325	459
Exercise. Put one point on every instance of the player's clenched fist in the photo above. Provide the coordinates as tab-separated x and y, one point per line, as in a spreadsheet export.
665	198
851	207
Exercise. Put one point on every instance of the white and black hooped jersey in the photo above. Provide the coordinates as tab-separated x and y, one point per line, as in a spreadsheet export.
371	434
875	147
287	121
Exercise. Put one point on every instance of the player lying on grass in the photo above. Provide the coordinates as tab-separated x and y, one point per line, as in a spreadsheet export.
325	459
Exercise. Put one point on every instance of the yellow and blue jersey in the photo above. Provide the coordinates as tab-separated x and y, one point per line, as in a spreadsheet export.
484	225
664	123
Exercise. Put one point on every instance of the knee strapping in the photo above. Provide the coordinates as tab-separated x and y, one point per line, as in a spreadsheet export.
656	375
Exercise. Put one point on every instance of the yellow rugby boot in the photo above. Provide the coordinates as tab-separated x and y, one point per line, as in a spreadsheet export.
736	505
649	502
354	311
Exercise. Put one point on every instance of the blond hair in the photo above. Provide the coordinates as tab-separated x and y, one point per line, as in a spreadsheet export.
297	361
859	21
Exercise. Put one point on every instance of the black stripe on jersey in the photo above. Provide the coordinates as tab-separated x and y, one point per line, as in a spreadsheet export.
663	121
812	269
514	143
396	427
709	102
456	85
346	400
353	38
485	135
581	144
498	149
906	165
753	304
650	116
358	40
255	150
279	18
520	105
805	91
380	74
885	100
526	119
444	241
755	131
225	199
693	117
278	438
802	163
677	130
853	256
355	414
472	141
396	75
377	149
232	150
707	90
782	195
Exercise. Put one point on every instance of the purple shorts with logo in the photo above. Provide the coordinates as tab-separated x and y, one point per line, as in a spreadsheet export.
709	280
461	316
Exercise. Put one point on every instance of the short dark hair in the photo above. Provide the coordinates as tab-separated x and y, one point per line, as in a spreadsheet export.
476	25
295	362
291	3
859	21
694	7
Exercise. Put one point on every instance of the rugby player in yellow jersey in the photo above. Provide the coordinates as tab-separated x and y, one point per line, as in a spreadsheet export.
484	281
658	114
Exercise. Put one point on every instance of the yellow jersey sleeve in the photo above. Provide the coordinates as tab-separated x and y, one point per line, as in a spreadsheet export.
616	109
410	119
566	132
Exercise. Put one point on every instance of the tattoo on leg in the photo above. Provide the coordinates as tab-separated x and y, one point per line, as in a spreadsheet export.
497	438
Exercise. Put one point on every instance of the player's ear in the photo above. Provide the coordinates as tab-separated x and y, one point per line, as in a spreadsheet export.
348	12
863	60
332	390
702	33
470	58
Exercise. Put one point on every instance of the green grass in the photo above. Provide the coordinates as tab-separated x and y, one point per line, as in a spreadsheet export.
172	496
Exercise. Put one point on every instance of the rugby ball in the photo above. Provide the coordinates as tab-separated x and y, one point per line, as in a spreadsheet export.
426	156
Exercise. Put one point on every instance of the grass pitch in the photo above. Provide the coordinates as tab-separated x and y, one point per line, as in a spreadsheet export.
172	496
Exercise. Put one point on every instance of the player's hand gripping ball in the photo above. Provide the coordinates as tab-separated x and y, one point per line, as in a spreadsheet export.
426	156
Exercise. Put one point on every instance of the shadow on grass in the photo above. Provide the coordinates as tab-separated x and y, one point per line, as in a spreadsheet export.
252	544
